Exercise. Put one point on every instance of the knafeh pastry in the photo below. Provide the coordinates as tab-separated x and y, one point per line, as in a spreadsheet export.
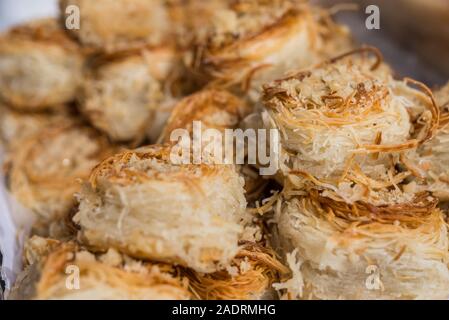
184	27
40	66
360	251
17	125
115	25
66	271
346	127
148	204
249	42
43	173
213	108
123	94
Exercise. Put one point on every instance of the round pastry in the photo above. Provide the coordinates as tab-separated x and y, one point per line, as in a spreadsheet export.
342	251
43	172
145	204
346	126
123	94
68	272
248	43
214	109
115	25
16	125
39	66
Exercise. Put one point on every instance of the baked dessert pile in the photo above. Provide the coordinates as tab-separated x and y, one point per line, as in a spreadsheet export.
357	205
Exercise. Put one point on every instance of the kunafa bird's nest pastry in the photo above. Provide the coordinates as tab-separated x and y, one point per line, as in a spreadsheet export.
143	204
342	251
17	125
433	156
123	94
40	66
250	276
43	173
346	126
249	42
65	271
116	25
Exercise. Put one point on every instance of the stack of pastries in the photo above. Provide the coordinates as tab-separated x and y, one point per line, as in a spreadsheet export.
87	122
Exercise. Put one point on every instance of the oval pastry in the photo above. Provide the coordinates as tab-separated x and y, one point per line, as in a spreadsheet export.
40	66
44	172
117	25
143	204
123	95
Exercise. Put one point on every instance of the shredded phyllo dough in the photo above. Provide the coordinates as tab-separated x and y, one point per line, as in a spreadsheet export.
141	203
346	127
44	172
122	95
252	41
433	157
249	277
16	126
355	208
106	276
40	66
117	25
406	245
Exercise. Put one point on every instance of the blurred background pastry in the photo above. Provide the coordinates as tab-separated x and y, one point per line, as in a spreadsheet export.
251	42
44	171
120	25
122	95
40	66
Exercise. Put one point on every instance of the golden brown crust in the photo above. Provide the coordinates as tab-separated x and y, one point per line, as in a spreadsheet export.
346	124
40	67
336	244
112	26
106	276
44	171
154	208
255	269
